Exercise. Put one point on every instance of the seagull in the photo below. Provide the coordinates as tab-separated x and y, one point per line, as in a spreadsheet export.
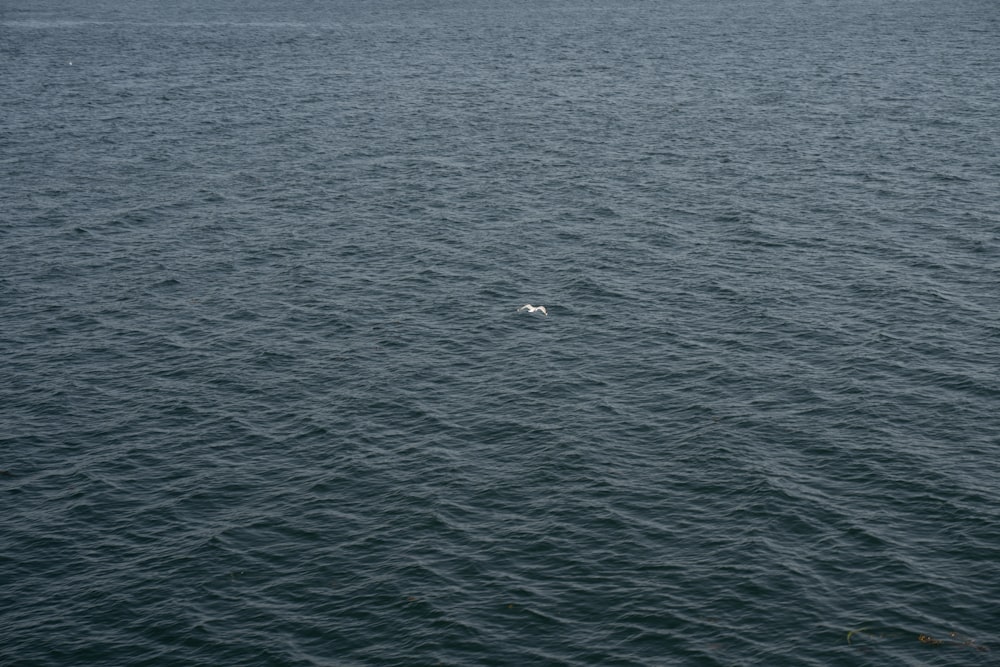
528	307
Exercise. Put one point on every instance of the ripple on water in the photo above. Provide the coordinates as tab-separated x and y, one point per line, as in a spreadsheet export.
268	399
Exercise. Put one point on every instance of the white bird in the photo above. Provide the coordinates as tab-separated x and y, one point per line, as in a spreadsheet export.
528	307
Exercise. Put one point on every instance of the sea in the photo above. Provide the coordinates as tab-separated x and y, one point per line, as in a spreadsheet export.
268	396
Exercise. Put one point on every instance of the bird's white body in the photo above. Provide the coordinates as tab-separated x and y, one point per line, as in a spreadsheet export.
528	307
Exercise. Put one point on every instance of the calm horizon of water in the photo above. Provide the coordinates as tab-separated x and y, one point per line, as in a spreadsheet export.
267	398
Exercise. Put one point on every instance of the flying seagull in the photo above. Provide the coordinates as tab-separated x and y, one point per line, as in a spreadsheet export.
528	307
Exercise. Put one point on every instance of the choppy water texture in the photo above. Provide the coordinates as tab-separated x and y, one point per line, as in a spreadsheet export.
266	399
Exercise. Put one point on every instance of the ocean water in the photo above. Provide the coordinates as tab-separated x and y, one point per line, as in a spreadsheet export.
265	397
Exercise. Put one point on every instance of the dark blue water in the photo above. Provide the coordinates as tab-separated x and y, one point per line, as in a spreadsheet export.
266	399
